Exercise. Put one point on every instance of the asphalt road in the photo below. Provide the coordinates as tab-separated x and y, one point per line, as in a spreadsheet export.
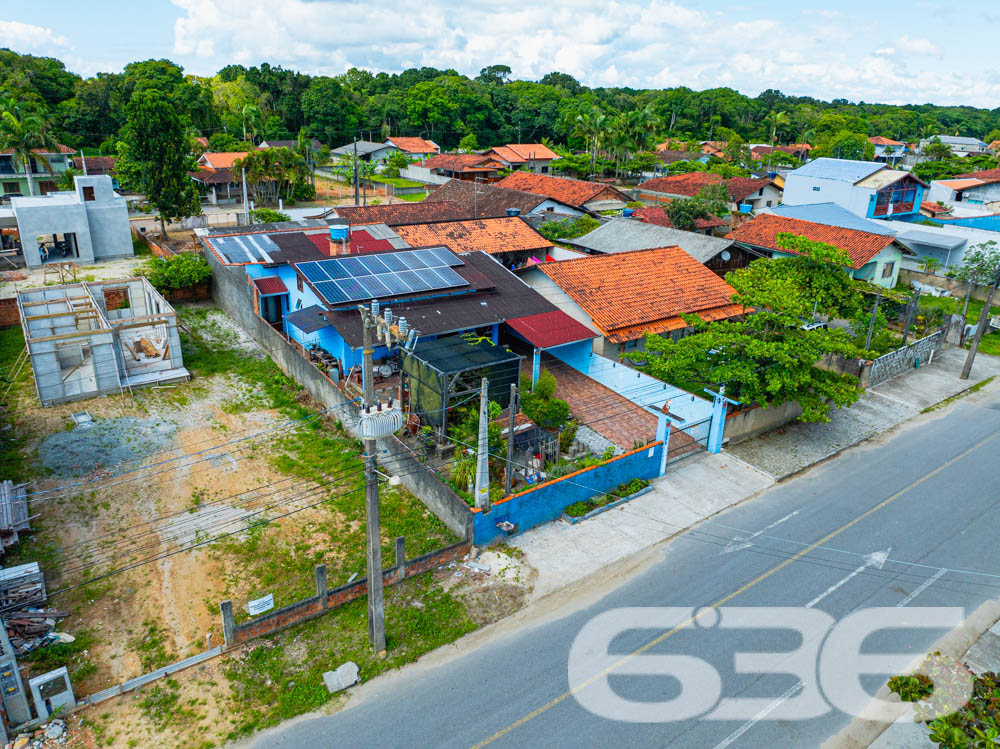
927	495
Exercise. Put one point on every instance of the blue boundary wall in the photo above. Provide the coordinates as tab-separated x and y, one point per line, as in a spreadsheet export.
546	502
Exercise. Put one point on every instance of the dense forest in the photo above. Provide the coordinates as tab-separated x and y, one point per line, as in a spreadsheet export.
240	103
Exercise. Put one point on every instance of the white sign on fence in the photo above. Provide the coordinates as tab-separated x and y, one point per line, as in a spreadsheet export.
261	605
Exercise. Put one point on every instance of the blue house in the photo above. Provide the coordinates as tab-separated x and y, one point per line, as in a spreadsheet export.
865	188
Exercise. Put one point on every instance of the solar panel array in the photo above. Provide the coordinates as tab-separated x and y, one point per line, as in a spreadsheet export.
358	277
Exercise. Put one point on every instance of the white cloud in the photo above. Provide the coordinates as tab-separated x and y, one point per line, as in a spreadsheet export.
656	44
918	46
24	37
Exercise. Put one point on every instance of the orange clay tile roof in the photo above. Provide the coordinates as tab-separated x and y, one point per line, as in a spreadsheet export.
743	187
491	235
961	184
573	192
654	214
762	231
414	145
627	294
985	175
221	159
43	151
934	207
459	162
681	184
878	140
519	153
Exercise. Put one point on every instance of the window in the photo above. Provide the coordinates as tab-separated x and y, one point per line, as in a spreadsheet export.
9	187
632	345
815	189
545	170
769	203
910	195
298	282
887	270
88	193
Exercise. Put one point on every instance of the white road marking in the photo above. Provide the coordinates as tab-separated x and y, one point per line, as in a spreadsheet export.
758	717
875	559
739	543
923	586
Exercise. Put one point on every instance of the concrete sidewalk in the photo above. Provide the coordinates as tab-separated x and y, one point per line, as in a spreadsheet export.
691	491
796	446
701	486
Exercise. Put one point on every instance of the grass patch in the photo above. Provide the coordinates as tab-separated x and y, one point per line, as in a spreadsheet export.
395	181
413	197
283	676
990	342
13	461
151	647
579	509
947	401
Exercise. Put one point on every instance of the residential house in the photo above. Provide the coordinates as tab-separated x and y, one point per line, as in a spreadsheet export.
94	166
509	239
986	193
473	167
202	142
625	295
746	194
888	151
490	201
952	191
629	234
366	150
534	157
314	145
581	195
655	214
414	147
865	188
217	178
930	209
82	225
875	257
959	145
394	214
760	151
13	177
662	160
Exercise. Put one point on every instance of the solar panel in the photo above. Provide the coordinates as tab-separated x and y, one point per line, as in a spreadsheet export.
352	289
414	280
353	266
446	257
428	257
374	287
411	260
395	284
331	292
393	262
374	264
313	272
333	269
450	277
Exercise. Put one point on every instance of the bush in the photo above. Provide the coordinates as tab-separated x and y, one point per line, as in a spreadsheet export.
541	406
178	272
268	216
568	228
303	191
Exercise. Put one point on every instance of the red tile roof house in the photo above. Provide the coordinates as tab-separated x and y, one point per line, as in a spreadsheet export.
464	166
625	295
743	191
584	196
414	147
874	257
532	156
510	239
654	214
215	176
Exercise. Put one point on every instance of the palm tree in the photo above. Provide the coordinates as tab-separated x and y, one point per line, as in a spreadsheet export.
778	120
26	137
251	117
591	126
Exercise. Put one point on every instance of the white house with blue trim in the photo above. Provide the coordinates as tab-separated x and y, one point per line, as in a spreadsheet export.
865	188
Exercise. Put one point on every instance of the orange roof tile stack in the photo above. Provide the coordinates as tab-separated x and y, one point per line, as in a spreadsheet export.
628	294
491	235
764	229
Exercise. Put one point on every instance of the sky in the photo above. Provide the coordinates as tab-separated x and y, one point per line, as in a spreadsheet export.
890	52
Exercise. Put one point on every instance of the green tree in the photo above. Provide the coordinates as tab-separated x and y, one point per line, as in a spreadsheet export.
765	357
711	200
980	266
494	75
26	136
540	403
331	114
936	150
468	143
268	216
153	157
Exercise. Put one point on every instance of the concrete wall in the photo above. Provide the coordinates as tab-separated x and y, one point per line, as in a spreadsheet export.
46	216
422	174
547	501
749	422
232	292
107	216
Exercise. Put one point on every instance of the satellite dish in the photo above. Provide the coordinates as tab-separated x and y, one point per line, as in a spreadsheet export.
725	255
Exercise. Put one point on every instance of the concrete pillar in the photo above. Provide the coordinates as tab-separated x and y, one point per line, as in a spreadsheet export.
954	328
536	367
321	584
401	558
495	333
718	427
663	435
228	623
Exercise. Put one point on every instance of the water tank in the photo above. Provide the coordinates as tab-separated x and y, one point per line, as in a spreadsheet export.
627	212
339	233
513	211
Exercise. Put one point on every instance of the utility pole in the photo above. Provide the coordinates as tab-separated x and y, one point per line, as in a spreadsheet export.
355	170
514	407
246	206
911	308
376	601
482	493
984	321
871	324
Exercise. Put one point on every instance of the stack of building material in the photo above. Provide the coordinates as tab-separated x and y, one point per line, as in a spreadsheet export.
33	628
21	587
13	513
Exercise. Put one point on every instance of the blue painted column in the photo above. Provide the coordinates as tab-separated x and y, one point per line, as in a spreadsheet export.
663	435
718	427
495	333
536	366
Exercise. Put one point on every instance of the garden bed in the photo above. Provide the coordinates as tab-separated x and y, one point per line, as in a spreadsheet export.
579	511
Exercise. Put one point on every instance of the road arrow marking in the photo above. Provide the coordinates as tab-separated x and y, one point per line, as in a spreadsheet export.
875	559
739	543
758	717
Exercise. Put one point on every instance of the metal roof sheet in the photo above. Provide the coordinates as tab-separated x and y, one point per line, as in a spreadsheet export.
831	214
842	170
625	235
548	329
931	239
308	319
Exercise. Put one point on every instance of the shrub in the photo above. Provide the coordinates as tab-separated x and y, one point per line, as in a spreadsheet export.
303	191
268	216
568	228
178	272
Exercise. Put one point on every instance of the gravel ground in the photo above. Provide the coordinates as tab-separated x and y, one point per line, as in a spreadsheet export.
108	442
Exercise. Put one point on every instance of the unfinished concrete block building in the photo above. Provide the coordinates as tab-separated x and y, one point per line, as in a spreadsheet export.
88	339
